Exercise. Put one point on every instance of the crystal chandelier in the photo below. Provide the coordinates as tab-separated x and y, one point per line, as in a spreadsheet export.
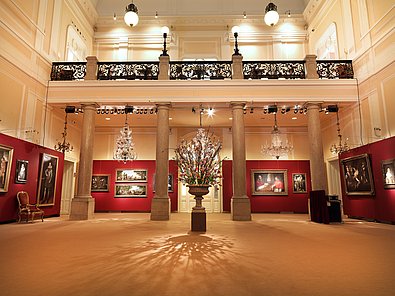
276	149
64	146
124	145
336	149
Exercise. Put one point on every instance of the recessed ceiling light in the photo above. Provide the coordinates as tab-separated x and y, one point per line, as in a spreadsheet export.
230	118
108	118
294	118
170	118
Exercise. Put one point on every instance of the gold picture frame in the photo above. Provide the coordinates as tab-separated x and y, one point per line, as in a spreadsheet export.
6	153
47	183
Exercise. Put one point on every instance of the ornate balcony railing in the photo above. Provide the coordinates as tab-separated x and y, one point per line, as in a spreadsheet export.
200	70
127	70
274	70
332	69
68	71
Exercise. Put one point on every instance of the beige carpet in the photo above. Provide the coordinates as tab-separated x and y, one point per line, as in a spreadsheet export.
127	254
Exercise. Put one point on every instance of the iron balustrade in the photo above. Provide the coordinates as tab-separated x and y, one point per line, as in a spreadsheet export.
326	69
68	71
127	70
274	70
333	69
200	70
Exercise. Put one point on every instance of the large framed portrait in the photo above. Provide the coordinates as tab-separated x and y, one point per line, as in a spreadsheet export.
388	168
5	166
47	183
129	175
357	175
21	171
130	190
299	183
269	182
100	182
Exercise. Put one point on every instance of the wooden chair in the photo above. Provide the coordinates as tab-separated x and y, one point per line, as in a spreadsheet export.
26	209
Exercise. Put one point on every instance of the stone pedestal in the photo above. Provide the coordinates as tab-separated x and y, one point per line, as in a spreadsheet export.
198	221
82	208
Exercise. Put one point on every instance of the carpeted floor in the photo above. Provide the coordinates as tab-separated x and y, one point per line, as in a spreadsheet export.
127	254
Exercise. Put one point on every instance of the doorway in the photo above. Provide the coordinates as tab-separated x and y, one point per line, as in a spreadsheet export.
334	185
67	187
212	201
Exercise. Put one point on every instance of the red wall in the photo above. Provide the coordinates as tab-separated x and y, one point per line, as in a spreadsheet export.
31	152
105	201
293	202
381	206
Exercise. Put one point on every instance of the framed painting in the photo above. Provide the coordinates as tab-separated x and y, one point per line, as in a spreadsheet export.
21	171
47	181
388	168
269	182
357	175
128	175
169	183
130	190
5	166
299	183
100	182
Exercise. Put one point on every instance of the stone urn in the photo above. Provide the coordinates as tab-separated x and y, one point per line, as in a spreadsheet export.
198	216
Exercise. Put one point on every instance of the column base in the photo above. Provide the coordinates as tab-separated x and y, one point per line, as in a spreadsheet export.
160	208
82	208
198	221
241	208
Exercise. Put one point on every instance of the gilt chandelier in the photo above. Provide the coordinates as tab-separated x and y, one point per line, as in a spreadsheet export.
276	148
124	149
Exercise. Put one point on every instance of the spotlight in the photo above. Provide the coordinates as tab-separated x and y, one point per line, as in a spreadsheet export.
251	110
332	108
245	110
70	109
210	112
272	109
129	109
151	111
193	110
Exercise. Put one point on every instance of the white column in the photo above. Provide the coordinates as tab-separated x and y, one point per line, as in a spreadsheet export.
240	205
160	206
83	205
317	162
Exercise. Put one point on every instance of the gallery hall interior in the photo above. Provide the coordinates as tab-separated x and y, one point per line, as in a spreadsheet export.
183	147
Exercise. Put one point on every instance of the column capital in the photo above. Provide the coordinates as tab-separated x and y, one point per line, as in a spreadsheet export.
163	105
236	105
313	105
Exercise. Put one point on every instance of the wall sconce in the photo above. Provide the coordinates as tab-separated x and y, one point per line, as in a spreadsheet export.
288	12
235	31
271	15
131	15
244	15
165	31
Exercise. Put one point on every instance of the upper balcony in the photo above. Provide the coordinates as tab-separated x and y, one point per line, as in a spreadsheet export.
222	81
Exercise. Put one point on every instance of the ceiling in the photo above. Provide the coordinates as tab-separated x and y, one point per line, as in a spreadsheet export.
197	8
